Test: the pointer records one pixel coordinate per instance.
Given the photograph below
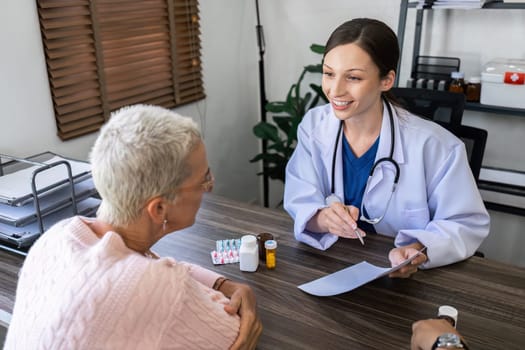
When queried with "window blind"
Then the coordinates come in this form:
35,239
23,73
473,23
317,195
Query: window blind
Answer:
105,54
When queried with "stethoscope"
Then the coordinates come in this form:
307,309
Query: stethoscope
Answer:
333,197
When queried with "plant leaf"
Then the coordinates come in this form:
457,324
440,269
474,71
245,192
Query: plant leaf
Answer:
276,172
269,159
304,101
314,68
317,48
319,90
275,107
257,158
266,131
284,123
279,147
319,94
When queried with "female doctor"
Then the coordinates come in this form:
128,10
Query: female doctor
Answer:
364,164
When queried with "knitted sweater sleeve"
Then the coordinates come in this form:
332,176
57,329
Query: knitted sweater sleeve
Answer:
198,317
204,276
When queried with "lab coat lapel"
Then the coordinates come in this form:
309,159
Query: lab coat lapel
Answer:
383,150
325,137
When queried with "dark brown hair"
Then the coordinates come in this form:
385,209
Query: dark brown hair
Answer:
375,38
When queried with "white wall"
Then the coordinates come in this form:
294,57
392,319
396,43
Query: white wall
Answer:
27,124
230,58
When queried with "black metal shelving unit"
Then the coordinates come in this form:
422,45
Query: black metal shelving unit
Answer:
515,190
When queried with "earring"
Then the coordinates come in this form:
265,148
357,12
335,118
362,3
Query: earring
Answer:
164,225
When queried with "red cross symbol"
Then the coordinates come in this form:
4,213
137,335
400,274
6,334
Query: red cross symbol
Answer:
515,78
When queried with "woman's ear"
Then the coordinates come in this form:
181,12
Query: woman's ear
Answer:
157,209
388,81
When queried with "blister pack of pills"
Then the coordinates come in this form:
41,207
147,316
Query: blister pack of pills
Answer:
226,251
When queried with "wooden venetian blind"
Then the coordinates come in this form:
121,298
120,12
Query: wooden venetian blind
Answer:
105,54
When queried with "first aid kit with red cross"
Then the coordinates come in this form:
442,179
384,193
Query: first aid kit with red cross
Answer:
503,83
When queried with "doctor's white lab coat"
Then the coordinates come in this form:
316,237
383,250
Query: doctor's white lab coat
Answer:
436,201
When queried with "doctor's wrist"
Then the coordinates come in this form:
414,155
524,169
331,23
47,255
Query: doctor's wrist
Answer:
415,245
315,223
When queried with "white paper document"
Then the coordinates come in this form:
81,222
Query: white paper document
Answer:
349,278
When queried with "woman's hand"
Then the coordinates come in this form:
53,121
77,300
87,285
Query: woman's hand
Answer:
243,303
338,219
400,254
425,333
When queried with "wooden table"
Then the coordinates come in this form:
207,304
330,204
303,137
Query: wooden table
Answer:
490,296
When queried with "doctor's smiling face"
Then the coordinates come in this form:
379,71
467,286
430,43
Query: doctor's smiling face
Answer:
351,81
359,66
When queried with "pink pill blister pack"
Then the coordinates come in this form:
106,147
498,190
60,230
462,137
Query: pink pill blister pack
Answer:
226,251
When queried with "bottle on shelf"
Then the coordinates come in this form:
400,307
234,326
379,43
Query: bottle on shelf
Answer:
473,90
458,82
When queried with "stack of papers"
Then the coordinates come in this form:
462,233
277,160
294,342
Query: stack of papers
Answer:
25,214
453,4
24,236
461,4
424,4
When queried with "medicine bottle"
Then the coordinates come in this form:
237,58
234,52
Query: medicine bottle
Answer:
473,90
261,238
271,247
448,313
248,254
458,83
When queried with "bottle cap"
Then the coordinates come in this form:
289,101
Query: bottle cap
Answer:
457,75
249,240
448,311
270,244
474,80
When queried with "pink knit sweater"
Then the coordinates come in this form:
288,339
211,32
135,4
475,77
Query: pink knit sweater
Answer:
77,291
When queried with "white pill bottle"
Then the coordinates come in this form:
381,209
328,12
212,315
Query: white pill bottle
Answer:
248,254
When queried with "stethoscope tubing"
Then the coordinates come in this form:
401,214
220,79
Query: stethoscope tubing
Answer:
389,159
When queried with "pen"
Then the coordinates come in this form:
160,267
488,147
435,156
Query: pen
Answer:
356,230
359,236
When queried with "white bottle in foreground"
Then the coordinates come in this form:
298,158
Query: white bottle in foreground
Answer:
449,313
248,254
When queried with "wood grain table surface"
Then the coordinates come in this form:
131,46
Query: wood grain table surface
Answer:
490,296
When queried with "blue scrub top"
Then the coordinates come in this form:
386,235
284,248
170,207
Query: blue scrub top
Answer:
355,174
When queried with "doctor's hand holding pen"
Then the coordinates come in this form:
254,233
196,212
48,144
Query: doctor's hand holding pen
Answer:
337,219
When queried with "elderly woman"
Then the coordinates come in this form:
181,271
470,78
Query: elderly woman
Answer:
95,283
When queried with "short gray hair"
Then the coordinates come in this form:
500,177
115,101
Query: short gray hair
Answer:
141,153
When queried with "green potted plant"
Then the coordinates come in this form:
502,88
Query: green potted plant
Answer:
281,132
